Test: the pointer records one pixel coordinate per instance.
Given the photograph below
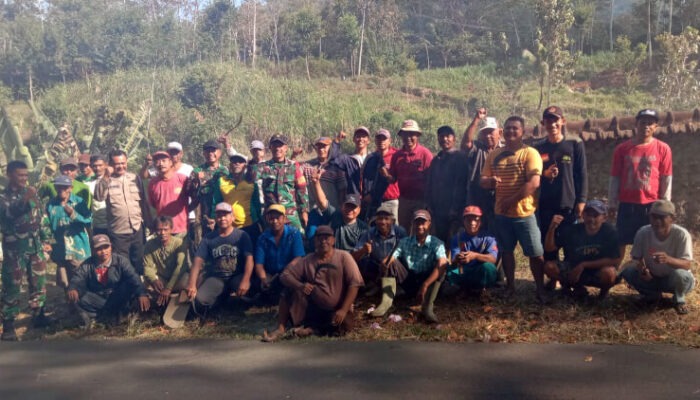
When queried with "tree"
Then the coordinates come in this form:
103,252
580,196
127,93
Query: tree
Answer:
303,31
554,19
679,84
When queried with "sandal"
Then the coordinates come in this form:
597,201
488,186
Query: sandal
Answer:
681,308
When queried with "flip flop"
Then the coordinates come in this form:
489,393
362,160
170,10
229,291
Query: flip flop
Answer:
681,308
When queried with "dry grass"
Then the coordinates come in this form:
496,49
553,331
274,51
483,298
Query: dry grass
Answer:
463,319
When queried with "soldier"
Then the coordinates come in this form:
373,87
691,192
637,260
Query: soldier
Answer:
25,234
200,192
283,183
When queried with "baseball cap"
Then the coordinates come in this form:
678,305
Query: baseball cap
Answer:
662,207
84,158
257,145
353,199
175,146
383,132
324,230
100,241
62,180
445,130
553,111
597,206
421,214
472,210
211,144
69,161
161,154
238,156
488,123
410,125
223,207
278,138
361,129
384,209
648,112
276,208
325,140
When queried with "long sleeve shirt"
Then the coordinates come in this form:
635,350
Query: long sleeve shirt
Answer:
91,276
166,263
69,231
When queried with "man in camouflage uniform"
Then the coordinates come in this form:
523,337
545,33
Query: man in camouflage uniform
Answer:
25,233
201,193
283,183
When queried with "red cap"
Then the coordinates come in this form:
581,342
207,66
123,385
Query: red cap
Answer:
472,210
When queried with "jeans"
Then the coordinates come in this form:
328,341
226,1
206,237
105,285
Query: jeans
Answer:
680,282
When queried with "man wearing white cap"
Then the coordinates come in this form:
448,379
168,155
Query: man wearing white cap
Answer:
489,138
257,152
175,151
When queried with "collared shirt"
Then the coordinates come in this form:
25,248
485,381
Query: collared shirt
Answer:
284,183
204,192
166,263
124,196
382,247
446,185
275,258
333,181
346,235
409,168
374,183
69,231
417,257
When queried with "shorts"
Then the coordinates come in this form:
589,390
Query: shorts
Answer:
589,277
524,230
631,217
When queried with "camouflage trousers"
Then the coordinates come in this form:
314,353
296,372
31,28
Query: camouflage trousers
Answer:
15,264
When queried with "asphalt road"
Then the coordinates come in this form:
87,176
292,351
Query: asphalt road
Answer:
219,369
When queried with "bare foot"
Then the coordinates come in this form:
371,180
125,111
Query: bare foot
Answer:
302,331
273,336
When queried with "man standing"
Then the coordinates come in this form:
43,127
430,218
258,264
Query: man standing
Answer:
227,255
446,186
167,194
641,173
591,252
409,167
564,183
662,257
376,189
100,224
283,183
69,168
25,236
69,218
333,178
514,172
257,152
489,138
175,151
322,288
200,192
126,209
105,284
86,175
165,261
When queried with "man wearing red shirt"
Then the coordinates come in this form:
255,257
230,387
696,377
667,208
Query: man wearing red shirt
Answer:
409,167
167,194
641,174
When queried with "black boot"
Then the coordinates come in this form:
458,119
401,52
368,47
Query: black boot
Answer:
40,320
8,331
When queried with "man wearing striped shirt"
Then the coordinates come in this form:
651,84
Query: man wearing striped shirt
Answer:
514,172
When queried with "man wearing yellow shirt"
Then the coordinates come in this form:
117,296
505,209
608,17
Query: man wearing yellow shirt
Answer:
514,172
237,187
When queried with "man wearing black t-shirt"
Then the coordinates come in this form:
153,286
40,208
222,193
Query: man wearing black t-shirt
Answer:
564,183
591,252
227,257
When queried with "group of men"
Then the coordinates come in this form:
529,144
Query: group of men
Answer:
307,236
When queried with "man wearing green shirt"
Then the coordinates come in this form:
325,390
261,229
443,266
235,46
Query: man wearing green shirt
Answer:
165,262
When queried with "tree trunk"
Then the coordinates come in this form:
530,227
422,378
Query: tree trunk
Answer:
650,53
308,73
612,7
254,44
362,39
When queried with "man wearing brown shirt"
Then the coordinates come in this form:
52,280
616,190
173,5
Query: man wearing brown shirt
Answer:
126,209
321,289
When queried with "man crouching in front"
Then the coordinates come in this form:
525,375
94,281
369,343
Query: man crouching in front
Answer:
321,289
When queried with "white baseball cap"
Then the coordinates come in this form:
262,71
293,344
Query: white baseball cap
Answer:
488,123
174,146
